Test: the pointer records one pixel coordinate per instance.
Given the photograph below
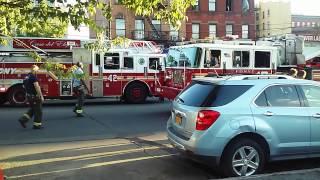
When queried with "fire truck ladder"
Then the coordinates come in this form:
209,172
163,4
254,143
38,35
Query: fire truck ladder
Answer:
145,47
154,29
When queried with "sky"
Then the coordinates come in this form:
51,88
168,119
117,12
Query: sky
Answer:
304,7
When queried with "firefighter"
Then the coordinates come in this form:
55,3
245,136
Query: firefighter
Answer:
79,87
35,99
293,72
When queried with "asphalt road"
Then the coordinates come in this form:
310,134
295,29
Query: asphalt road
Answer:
113,141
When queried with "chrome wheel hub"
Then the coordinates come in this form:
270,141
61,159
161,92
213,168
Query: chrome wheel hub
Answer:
245,161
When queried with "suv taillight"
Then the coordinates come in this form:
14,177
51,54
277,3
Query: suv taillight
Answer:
206,118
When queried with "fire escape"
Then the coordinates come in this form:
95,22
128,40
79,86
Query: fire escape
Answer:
155,35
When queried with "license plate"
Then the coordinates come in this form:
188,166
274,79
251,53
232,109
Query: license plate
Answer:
178,120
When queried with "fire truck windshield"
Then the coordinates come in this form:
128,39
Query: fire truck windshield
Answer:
184,57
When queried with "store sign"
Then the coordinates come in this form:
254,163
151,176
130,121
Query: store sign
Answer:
312,38
45,43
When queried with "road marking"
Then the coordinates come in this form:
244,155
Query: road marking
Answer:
92,166
15,164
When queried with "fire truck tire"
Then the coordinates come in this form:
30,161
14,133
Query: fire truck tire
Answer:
17,96
3,99
136,93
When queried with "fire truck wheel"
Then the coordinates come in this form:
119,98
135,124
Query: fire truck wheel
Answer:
17,96
3,99
136,93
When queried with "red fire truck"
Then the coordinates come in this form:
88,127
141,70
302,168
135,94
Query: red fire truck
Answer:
132,72
185,62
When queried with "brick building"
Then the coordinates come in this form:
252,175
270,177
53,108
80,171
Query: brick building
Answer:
125,23
221,18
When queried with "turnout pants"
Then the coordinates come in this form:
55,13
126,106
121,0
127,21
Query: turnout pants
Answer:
79,91
35,111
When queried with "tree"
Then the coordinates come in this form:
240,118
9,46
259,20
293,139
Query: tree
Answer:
17,16
52,28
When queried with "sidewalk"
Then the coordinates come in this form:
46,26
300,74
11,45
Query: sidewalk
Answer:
308,174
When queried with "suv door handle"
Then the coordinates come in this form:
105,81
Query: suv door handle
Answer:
268,113
316,115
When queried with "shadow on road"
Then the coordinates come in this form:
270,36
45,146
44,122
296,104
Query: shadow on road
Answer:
134,159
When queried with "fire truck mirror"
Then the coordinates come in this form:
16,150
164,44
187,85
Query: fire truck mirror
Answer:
98,60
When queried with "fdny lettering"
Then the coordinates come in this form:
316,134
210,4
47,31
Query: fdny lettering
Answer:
8,70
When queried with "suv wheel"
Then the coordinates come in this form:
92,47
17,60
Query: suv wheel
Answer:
243,158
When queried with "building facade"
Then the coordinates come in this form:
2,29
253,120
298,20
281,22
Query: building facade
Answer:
309,28
124,23
306,25
220,19
274,18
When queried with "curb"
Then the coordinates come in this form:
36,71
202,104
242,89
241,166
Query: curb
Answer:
304,174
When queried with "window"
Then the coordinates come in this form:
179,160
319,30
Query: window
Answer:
118,1
157,25
229,30
228,5
195,31
245,6
312,94
293,24
154,63
261,100
189,57
303,24
262,59
298,24
212,5
308,24
196,6
120,27
262,14
211,95
241,59
263,26
282,96
139,29
268,12
174,34
245,31
111,61
212,30
213,59
128,62
313,24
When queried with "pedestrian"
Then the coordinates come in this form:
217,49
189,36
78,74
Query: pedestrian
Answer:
79,87
35,99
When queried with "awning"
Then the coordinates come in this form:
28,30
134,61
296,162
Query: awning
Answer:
311,52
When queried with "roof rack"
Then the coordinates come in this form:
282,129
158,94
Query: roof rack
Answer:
255,77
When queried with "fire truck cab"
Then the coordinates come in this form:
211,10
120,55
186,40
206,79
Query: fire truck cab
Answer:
185,62
131,73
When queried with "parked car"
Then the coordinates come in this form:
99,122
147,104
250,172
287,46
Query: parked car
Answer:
238,124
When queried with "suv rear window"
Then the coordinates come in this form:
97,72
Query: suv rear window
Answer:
205,94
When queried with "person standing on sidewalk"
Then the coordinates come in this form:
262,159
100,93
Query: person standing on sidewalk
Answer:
79,87
35,99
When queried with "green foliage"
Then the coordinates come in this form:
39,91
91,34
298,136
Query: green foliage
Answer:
51,28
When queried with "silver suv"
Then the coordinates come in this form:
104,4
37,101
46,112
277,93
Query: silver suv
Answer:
239,123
